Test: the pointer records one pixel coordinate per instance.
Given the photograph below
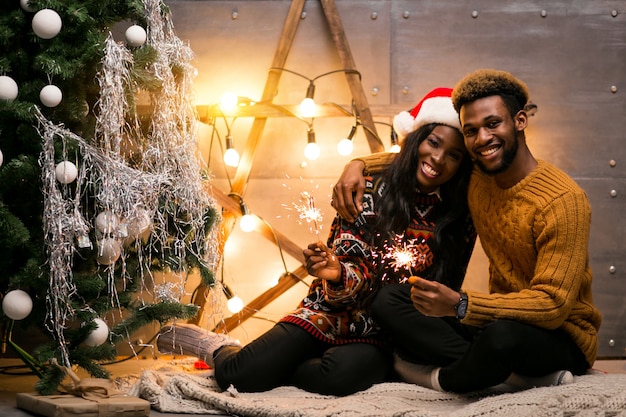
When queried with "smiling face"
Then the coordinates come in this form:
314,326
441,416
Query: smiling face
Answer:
490,134
440,157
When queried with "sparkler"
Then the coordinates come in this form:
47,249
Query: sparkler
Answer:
308,212
404,254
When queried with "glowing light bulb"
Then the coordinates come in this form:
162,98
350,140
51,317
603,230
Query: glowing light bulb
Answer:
228,103
247,223
235,304
231,157
395,148
345,147
308,107
312,151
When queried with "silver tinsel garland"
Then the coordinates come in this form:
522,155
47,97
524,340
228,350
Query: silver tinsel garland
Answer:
169,171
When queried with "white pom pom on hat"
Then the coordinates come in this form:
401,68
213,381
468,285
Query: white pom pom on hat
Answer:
435,107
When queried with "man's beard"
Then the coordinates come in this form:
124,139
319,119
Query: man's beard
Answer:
507,159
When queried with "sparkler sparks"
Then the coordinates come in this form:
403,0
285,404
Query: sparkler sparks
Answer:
308,212
404,254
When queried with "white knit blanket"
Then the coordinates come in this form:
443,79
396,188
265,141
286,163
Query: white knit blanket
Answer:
597,395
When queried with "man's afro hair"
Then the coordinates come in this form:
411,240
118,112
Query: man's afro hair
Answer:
488,82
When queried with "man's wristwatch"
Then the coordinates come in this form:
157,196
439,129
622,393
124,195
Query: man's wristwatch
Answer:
461,307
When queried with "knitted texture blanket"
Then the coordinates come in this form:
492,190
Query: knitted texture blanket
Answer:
180,392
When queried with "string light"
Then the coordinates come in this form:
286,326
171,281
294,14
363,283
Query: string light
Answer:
231,156
395,146
247,223
308,107
234,303
228,103
312,149
345,146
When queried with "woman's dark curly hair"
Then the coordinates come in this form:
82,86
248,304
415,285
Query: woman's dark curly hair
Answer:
395,209
489,82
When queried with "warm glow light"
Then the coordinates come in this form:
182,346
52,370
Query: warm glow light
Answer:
307,107
395,148
228,103
345,147
312,151
247,223
235,304
231,157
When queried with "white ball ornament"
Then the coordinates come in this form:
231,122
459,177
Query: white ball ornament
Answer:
8,88
46,23
25,4
107,222
99,335
139,223
135,35
109,251
17,304
66,172
50,96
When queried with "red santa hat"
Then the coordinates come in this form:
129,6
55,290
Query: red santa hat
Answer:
435,107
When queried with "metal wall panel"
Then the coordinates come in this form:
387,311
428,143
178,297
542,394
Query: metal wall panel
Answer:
572,54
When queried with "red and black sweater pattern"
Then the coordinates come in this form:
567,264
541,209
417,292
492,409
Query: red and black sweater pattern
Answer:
337,313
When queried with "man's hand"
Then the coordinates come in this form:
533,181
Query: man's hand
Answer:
321,262
432,298
348,191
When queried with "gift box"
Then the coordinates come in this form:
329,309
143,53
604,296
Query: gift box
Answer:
67,405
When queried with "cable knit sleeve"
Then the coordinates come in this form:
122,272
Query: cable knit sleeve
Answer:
547,293
376,162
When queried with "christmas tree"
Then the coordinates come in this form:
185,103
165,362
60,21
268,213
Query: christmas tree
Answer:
95,195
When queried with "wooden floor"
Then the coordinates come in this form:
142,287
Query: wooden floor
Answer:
14,378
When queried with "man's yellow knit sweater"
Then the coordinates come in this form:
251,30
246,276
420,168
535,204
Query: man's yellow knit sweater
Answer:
535,235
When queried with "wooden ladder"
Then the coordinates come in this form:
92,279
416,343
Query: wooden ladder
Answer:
231,205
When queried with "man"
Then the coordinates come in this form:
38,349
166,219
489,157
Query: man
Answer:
537,325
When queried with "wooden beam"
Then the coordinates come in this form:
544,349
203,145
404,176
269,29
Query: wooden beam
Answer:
287,281
206,113
232,205
354,81
242,174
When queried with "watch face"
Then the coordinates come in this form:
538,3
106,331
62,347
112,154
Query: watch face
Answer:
461,307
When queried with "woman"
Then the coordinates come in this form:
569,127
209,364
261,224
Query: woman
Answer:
331,344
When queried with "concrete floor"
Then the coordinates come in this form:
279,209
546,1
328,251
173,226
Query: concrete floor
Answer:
14,378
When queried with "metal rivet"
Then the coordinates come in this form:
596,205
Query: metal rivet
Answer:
544,13
613,89
234,15
375,91
614,13
612,269
611,343
475,14
612,162
374,16
613,193
405,90
303,15
406,14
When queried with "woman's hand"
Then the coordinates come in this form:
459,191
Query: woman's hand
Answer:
432,298
348,191
321,262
